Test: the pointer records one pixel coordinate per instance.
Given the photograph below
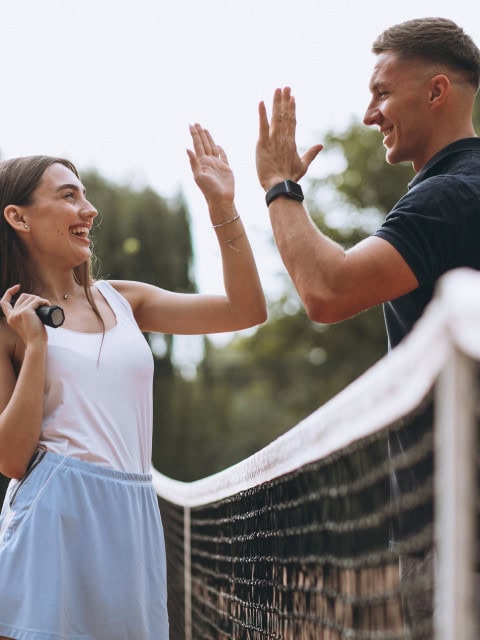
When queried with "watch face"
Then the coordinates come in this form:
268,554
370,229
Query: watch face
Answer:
295,190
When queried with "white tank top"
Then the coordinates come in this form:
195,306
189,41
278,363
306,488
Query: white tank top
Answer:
98,396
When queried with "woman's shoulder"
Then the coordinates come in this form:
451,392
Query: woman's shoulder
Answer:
137,293
122,286
128,290
149,304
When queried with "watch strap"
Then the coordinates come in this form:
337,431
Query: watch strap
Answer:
286,188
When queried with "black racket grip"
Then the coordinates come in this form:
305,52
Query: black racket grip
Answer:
51,316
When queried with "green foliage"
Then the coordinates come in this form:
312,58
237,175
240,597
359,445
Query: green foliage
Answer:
256,388
141,236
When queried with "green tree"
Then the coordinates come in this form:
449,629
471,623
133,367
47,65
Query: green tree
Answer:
140,235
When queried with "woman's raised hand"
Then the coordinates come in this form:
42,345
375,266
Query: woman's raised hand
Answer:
210,167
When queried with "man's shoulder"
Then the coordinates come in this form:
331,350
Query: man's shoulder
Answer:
443,189
446,197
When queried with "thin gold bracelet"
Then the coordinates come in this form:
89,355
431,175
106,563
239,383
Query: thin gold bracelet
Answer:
230,240
221,224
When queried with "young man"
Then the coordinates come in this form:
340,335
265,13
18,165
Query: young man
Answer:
423,88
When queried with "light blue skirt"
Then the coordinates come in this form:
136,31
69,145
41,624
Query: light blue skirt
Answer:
82,554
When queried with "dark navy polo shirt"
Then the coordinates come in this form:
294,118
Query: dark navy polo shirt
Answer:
435,226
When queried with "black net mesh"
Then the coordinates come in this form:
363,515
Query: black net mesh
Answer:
173,524
315,553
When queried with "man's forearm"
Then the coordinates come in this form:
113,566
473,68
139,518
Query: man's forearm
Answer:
313,261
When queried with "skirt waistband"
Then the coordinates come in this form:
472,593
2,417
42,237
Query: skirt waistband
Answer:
90,467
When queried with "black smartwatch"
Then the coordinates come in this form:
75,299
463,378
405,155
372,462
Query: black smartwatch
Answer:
287,188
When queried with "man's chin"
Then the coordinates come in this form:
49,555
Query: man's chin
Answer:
391,158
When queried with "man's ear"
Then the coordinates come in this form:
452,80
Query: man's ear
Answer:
16,218
439,89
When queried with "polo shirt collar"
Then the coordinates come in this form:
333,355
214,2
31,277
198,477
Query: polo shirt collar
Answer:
465,144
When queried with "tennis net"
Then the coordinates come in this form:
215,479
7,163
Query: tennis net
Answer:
356,521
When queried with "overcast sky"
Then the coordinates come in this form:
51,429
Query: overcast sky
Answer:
113,85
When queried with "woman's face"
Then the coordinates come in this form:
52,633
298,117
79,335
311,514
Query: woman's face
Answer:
59,218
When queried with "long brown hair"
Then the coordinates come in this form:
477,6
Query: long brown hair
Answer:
19,177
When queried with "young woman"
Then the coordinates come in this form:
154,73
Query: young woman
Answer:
81,542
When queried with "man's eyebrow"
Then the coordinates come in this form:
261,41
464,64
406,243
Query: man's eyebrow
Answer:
75,187
382,83
376,87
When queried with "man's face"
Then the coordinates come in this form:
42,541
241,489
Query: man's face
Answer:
400,108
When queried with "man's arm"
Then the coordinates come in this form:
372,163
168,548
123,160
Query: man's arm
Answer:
333,284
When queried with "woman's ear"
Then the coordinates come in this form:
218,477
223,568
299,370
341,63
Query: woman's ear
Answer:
15,218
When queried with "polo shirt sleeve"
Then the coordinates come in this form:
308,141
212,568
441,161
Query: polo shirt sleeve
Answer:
427,226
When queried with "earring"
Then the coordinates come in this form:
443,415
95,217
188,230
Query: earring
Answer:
25,226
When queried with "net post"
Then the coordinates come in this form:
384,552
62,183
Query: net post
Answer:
454,498
187,563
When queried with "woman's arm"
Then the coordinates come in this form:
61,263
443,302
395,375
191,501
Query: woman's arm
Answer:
243,304
21,396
